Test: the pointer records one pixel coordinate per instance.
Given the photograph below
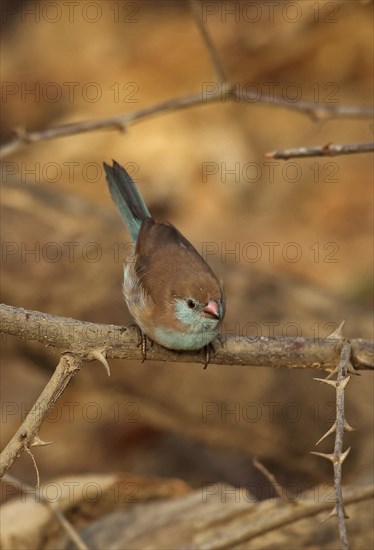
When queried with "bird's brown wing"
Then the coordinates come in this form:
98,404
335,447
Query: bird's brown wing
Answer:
168,265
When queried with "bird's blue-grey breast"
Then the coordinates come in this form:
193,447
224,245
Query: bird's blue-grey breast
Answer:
170,290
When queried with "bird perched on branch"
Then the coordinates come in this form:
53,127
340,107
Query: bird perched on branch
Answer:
173,295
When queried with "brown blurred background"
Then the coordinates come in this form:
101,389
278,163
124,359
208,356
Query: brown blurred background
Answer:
175,420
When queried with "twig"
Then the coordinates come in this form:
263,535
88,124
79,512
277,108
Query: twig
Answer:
317,111
339,427
270,477
196,8
329,150
35,466
25,435
65,524
225,91
82,339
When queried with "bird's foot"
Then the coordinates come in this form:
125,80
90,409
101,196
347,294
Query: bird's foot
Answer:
208,349
142,342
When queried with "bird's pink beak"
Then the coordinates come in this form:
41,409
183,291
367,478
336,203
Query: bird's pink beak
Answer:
211,310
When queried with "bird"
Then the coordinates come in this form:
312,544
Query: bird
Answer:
173,295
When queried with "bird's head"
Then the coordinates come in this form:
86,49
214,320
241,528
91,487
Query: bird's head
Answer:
201,308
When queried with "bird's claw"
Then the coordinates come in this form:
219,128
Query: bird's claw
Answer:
208,349
142,343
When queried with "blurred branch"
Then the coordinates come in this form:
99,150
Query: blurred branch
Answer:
26,435
266,516
329,150
196,8
274,482
53,506
88,340
221,93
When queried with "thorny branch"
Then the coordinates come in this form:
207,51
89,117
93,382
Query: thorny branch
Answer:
27,435
339,427
91,341
81,341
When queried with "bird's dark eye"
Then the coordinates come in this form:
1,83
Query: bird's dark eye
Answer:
191,304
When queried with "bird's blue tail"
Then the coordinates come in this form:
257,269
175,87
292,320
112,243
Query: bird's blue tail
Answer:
126,197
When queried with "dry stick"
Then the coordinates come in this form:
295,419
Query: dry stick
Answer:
65,524
329,150
89,341
317,111
25,435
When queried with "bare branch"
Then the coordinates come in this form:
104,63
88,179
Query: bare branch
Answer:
196,8
82,338
25,435
65,524
329,150
224,93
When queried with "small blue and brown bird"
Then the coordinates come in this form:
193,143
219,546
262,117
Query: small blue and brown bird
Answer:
173,295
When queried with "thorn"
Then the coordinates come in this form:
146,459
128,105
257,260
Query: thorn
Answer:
343,382
337,334
335,371
37,442
326,381
332,514
330,431
348,428
352,370
342,457
330,457
335,459
100,355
